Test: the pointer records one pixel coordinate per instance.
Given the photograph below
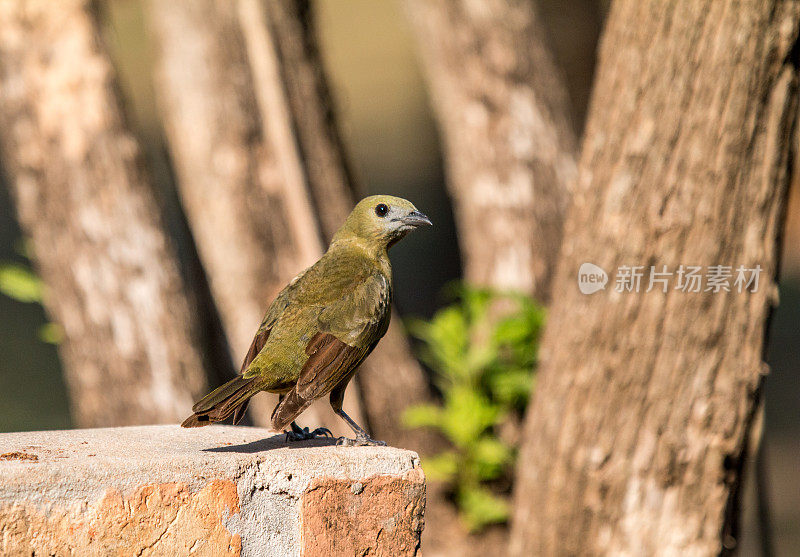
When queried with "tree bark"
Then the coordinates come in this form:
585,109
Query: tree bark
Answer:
267,143
637,436
113,282
509,142
237,173
330,181
229,173
391,379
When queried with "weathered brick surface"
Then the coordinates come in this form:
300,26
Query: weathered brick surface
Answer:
379,515
160,490
160,519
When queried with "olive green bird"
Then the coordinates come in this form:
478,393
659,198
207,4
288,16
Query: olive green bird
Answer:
322,325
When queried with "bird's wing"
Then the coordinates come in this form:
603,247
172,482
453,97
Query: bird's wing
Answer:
348,330
275,310
330,361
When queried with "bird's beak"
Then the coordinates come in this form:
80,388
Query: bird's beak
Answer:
416,219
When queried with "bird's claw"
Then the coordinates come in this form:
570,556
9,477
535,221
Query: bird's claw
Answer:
303,434
359,441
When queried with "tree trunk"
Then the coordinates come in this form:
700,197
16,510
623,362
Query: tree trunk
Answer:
82,195
237,172
330,180
509,142
636,439
391,379
222,70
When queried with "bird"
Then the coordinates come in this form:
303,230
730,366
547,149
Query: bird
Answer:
322,325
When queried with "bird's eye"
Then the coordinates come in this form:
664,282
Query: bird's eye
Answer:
381,210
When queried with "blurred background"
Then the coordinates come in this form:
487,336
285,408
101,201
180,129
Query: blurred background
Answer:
390,135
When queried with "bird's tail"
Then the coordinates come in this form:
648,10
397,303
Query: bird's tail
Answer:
231,398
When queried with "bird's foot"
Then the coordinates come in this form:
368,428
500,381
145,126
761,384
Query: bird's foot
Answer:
298,433
359,441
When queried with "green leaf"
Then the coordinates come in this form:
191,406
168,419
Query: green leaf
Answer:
513,330
480,507
467,415
445,337
422,415
512,387
20,283
476,303
491,456
479,356
448,337
417,328
442,467
51,333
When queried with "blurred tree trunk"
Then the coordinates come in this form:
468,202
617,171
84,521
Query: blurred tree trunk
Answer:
256,150
391,379
637,437
509,142
238,174
130,351
330,180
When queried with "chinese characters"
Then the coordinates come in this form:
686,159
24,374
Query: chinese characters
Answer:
687,278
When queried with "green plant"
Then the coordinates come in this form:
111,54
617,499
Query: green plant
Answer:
20,283
483,351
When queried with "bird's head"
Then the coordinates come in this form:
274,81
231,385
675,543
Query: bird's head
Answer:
381,220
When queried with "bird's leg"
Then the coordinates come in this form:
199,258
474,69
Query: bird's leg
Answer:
362,438
298,433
